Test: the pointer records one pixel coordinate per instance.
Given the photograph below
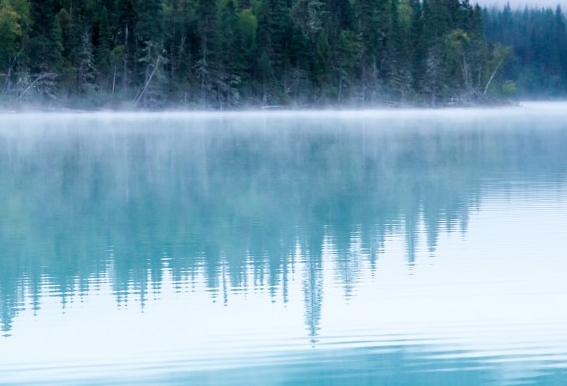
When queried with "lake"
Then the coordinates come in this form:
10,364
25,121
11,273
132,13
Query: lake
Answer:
396,247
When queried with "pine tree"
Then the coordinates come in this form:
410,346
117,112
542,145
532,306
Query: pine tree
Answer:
339,16
308,16
125,50
86,64
273,39
15,25
149,32
104,44
181,44
231,55
247,32
11,32
560,40
207,66
148,25
369,36
396,71
348,52
46,40
384,29
418,46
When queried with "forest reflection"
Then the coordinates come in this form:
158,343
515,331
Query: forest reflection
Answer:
240,205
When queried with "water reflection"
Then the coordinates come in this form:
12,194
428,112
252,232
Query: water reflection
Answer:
240,205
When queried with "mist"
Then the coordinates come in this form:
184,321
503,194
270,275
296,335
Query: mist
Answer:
523,3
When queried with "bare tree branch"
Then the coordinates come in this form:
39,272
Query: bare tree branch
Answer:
40,77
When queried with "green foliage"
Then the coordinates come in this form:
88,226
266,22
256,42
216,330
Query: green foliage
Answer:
538,37
149,20
248,24
348,52
104,43
229,53
10,33
509,88
14,29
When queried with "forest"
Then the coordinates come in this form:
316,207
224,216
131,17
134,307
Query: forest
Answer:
227,54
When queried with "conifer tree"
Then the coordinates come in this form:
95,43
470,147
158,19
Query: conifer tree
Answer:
125,53
274,35
10,33
366,26
103,46
231,55
418,46
148,25
86,64
207,65
149,32
339,16
347,55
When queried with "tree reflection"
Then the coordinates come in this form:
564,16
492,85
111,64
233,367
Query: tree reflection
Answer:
240,207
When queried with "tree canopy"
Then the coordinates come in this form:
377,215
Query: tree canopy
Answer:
238,53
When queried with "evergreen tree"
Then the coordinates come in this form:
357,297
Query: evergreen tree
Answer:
86,64
339,17
367,21
560,41
308,16
104,44
537,37
149,32
273,37
231,55
348,52
149,20
46,37
181,45
418,46
207,66
226,53
10,33
125,52
14,28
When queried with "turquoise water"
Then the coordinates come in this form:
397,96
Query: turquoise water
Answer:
335,248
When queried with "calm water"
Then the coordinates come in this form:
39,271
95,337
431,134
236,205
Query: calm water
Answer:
367,248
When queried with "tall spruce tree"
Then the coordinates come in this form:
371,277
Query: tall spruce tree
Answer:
366,15
149,32
124,54
231,56
14,27
274,35
103,46
208,67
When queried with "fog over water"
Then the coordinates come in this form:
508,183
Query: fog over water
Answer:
285,248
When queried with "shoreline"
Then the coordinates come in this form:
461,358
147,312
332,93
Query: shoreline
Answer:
33,108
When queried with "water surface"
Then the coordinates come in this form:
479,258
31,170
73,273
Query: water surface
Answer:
336,248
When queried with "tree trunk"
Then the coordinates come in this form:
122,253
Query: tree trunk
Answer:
492,77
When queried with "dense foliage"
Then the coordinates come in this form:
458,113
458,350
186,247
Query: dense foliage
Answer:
230,53
539,39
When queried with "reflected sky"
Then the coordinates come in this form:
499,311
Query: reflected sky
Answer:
369,246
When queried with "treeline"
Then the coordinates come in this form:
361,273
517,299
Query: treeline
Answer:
539,39
233,53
